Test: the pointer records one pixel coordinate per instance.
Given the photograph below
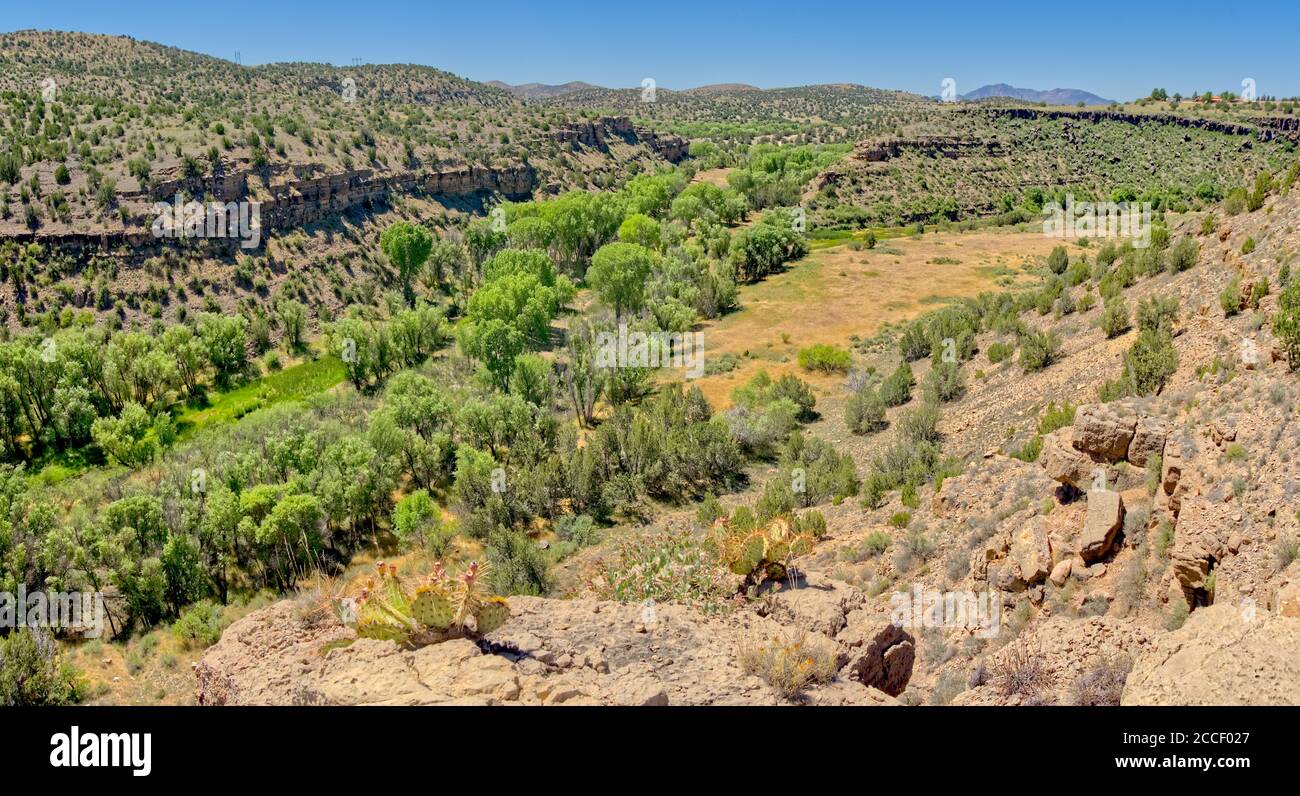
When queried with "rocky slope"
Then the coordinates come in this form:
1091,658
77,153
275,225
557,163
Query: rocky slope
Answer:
1146,556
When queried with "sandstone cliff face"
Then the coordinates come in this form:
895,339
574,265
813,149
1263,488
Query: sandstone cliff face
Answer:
293,195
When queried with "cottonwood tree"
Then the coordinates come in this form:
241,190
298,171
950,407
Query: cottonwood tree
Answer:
407,247
618,274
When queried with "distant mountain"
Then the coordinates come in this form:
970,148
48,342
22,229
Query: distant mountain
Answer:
542,90
1057,96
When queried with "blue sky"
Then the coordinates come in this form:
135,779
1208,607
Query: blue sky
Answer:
1119,50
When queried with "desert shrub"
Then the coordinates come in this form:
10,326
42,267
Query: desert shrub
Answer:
32,673
919,424
1154,473
900,519
1001,351
669,566
945,382
1156,313
825,358
760,431
864,412
710,510
518,565
1056,417
1248,246
761,390
1151,361
951,332
1022,673
917,545
777,500
579,529
1286,322
1102,684
1038,350
1230,298
1031,450
896,389
417,521
909,497
1184,253
812,523
1115,317
1058,260
913,343
1258,291
1078,273
1288,550
199,625
789,664
827,472
876,543
1235,202
949,686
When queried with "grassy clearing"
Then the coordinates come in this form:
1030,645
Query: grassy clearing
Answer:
835,294
291,384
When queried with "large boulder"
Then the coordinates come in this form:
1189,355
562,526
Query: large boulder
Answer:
1103,431
1032,551
1200,542
1222,655
1105,518
1063,463
881,654
1148,440
812,602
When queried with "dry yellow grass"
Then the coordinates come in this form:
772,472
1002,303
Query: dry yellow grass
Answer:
789,664
836,293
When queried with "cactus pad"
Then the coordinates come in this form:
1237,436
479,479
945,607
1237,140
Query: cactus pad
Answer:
491,614
432,608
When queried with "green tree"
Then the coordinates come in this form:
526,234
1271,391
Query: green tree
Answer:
416,521
125,438
407,247
1286,323
618,274
641,230
227,345
293,320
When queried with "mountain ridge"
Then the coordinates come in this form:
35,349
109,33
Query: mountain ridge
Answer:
1056,96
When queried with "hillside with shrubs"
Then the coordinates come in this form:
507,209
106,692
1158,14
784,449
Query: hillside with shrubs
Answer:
450,416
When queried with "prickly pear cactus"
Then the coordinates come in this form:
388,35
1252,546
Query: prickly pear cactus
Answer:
432,607
442,607
762,553
492,613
